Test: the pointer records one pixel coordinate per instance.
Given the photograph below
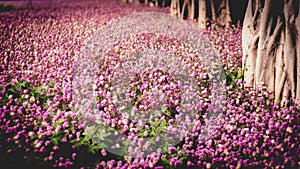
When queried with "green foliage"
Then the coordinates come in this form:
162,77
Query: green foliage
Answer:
18,92
232,77
175,154
95,134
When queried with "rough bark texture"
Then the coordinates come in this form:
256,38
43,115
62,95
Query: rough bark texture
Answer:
271,48
224,17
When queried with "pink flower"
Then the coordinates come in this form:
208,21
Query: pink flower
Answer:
103,152
74,156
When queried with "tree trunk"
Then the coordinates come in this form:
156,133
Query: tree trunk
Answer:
29,4
191,9
188,5
213,11
224,17
156,2
163,3
131,1
218,11
184,7
271,48
202,18
175,8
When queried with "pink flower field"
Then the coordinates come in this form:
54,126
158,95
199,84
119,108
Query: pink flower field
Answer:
156,101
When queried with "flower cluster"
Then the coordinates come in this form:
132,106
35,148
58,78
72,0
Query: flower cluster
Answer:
228,43
252,133
40,50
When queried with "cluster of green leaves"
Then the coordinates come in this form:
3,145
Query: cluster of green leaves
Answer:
156,127
138,94
85,146
100,136
233,77
13,92
182,156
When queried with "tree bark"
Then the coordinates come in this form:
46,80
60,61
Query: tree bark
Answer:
191,9
188,5
202,18
163,3
271,48
224,17
184,6
156,2
175,8
213,11
218,11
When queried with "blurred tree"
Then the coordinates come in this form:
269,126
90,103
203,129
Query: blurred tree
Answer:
222,12
271,48
131,1
160,3
216,11
29,4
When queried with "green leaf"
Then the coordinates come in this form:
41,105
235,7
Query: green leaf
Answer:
92,151
97,147
11,90
126,143
54,141
240,74
181,159
166,161
24,83
104,146
152,141
38,90
65,107
168,113
77,144
51,84
164,109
